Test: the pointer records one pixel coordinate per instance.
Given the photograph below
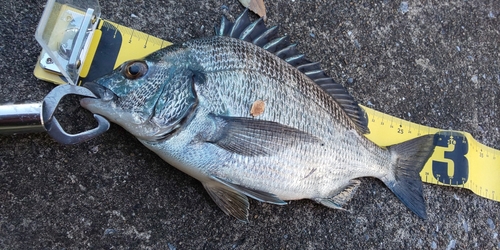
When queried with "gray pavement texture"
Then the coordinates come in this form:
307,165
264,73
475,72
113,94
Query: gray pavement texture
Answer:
433,62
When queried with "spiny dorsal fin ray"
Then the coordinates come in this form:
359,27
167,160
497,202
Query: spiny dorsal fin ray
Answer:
225,26
265,36
253,31
309,66
257,33
277,44
240,24
287,52
297,60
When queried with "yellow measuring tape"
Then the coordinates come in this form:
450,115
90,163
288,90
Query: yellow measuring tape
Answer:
112,44
458,160
115,44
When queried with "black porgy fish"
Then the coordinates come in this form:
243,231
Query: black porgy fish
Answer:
247,115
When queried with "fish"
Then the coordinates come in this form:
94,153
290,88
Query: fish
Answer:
194,105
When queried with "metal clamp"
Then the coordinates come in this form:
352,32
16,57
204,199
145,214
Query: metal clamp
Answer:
36,117
53,127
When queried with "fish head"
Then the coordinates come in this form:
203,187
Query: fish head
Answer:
149,98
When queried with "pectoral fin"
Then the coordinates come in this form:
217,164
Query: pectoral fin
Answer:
253,137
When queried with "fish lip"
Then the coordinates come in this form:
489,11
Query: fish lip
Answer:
95,88
100,91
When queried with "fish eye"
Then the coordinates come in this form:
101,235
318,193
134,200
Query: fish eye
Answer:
135,69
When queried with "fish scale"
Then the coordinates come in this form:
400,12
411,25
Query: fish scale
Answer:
307,143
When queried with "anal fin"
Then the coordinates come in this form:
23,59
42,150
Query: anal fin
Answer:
339,200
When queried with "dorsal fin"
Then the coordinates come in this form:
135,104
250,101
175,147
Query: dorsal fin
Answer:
257,33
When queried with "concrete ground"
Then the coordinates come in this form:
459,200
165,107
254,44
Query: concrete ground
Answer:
436,63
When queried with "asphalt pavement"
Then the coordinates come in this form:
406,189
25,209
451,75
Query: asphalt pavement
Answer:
432,62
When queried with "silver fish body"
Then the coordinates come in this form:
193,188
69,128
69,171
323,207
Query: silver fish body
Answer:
191,105
297,168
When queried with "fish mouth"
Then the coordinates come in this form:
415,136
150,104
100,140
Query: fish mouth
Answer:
101,103
100,92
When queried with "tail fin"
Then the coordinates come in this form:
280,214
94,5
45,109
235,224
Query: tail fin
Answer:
405,182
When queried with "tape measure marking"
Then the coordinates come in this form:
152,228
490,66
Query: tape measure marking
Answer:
116,45
453,168
138,44
458,159
104,56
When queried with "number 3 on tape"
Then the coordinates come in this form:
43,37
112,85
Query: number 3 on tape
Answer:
453,167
